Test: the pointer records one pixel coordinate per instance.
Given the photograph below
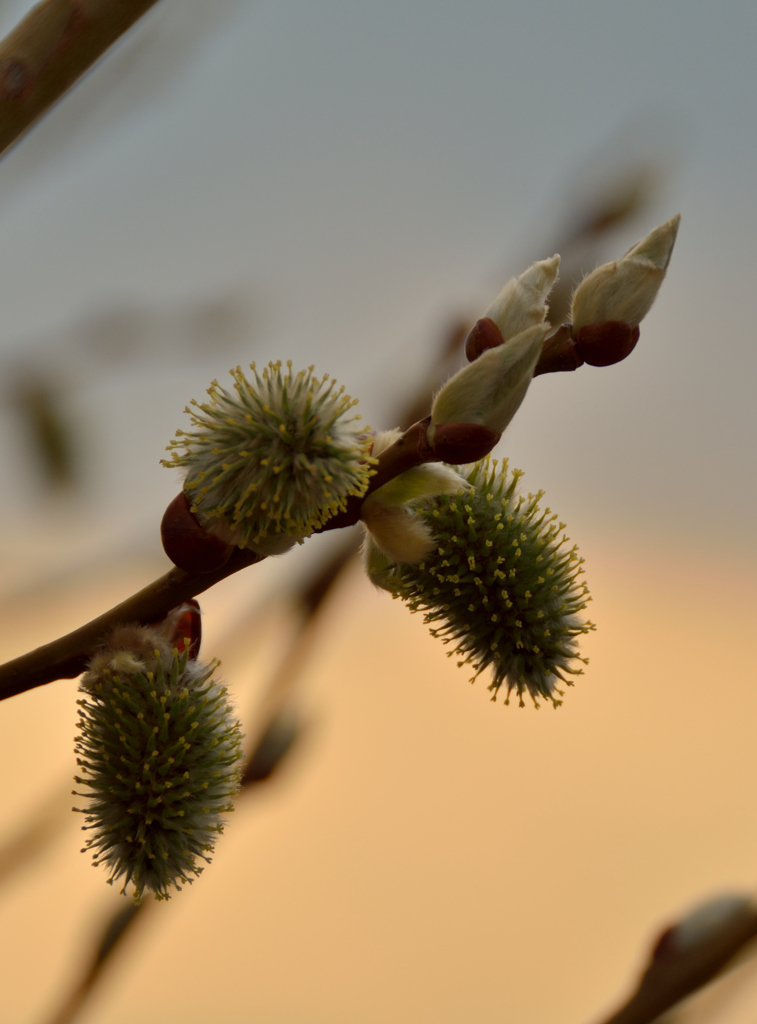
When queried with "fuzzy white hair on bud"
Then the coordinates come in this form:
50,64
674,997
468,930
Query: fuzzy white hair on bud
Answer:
522,303
390,519
490,390
384,439
398,532
624,290
420,482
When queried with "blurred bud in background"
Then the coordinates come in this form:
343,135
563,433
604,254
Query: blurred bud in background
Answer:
39,401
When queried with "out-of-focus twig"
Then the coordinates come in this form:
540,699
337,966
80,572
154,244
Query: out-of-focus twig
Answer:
111,938
616,202
714,1003
36,834
50,49
278,726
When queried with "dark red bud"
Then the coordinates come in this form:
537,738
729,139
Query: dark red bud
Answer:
484,334
606,343
458,443
187,544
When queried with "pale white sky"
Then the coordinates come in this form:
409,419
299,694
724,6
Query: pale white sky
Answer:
361,173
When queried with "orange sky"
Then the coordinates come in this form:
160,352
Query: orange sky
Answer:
428,855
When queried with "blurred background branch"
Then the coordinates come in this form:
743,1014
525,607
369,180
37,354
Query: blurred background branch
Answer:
54,45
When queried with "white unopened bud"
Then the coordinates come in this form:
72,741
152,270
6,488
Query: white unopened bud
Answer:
623,291
379,568
522,303
397,532
393,526
489,390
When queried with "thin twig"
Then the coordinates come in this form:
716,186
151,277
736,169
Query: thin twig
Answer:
50,49
37,833
116,928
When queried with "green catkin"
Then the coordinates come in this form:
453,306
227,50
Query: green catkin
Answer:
502,585
278,455
160,754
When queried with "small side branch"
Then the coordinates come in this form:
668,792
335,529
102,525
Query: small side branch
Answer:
67,657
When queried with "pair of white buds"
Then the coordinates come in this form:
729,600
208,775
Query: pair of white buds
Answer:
490,390
504,348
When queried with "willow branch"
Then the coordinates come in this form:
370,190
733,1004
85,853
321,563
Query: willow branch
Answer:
67,657
47,52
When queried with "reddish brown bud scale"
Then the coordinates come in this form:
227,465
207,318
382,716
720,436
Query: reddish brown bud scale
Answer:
559,353
459,443
484,334
603,344
187,544
187,626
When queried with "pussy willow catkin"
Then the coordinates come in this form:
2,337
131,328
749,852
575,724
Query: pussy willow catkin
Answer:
160,754
501,585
